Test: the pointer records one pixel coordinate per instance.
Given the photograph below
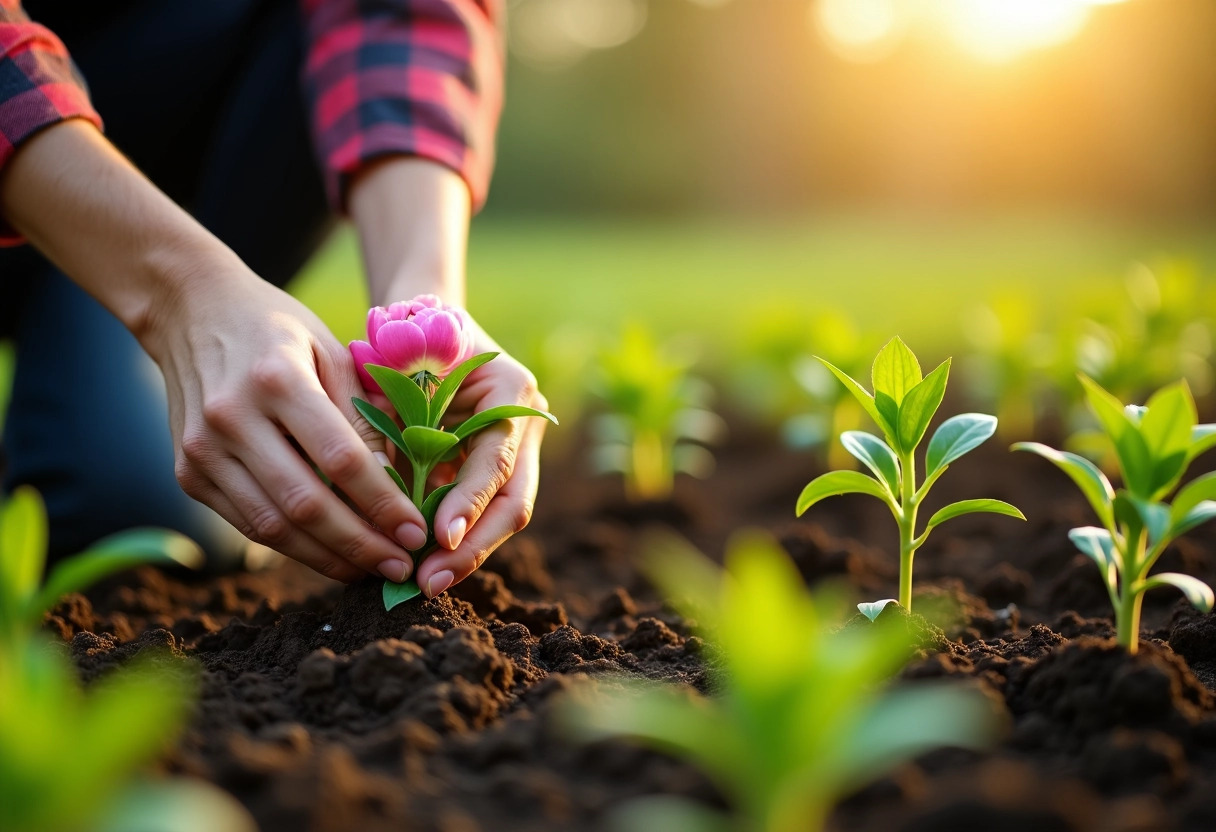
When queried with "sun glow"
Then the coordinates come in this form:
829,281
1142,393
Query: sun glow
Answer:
995,31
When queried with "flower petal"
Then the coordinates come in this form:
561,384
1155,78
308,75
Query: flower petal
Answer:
402,343
443,342
364,353
377,317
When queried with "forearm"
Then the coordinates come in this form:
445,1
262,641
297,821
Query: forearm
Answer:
89,211
413,220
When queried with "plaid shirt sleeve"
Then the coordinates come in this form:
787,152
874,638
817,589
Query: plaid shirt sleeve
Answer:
414,77
38,86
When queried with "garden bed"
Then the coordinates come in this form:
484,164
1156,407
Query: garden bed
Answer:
320,711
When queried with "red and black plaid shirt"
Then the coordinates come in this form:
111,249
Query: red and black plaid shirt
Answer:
384,77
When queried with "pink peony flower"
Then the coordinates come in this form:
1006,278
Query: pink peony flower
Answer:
412,336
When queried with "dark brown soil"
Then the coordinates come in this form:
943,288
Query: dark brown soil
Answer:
319,711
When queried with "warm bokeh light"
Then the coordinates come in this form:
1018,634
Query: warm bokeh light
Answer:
556,33
1000,30
995,31
860,30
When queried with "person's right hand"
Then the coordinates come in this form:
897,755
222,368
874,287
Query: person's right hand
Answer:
248,368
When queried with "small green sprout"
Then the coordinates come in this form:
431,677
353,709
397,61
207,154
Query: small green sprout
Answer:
1153,446
420,402
804,712
657,422
902,405
24,598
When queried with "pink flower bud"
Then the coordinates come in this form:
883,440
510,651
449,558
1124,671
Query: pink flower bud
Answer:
412,336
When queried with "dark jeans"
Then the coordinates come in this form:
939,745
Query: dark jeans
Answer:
204,97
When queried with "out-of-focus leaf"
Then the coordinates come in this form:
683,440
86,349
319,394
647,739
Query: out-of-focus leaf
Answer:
1092,482
1203,439
113,554
839,482
407,397
23,534
1147,514
957,436
669,814
1130,448
919,405
875,455
175,806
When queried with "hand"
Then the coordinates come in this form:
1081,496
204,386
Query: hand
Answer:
496,485
248,368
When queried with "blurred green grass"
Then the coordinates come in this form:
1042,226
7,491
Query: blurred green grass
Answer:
703,277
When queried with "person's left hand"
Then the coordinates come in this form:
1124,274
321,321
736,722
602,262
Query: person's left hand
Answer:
496,485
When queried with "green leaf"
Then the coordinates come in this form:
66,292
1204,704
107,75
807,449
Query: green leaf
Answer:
394,594
873,609
972,507
113,554
1203,438
1166,428
862,396
1197,516
1097,545
1134,458
668,813
839,482
407,397
431,505
23,531
392,472
920,404
487,417
890,416
1092,482
381,421
956,436
895,371
875,455
448,387
1148,514
1195,590
426,446
1191,495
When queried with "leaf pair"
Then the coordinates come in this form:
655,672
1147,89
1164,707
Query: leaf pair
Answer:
903,401
23,538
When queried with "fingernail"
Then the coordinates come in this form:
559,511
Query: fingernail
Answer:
410,536
395,570
456,530
382,458
439,582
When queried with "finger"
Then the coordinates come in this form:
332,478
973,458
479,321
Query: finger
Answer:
262,523
508,512
489,467
327,435
307,504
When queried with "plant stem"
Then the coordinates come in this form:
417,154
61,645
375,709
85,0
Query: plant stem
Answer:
1129,619
907,529
418,495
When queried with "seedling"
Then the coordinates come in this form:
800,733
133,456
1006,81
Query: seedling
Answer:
426,339
902,405
25,598
658,421
1153,447
803,714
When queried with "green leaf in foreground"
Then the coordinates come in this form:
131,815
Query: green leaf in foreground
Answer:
919,405
381,421
394,594
447,388
1092,482
409,400
955,437
875,455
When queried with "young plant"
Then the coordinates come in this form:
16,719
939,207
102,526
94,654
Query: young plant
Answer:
803,714
25,598
417,356
657,422
1153,447
902,405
